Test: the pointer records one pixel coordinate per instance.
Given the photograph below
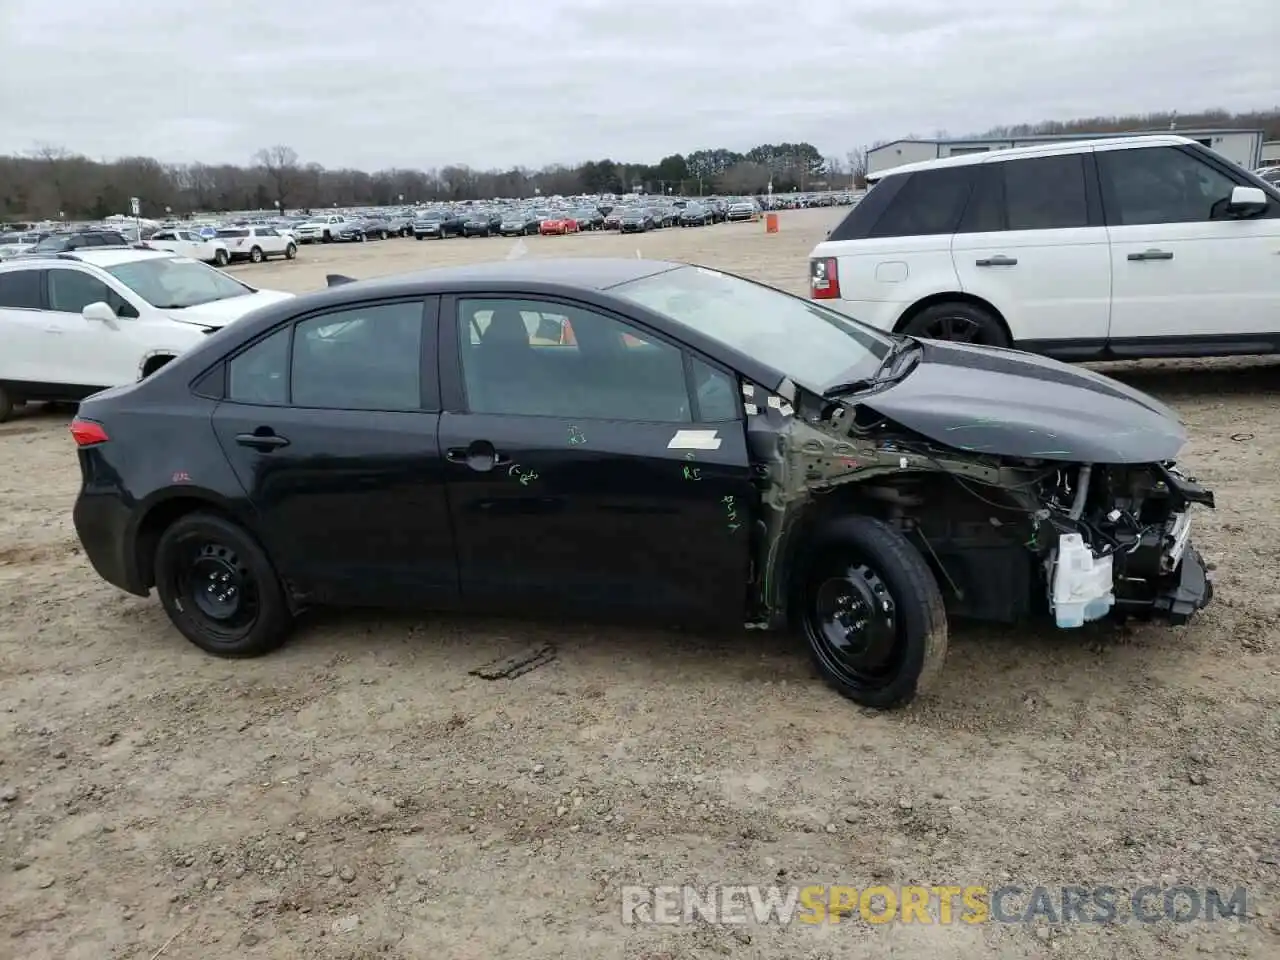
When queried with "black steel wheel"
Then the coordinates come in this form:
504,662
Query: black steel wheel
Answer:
958,322
219,588
870,610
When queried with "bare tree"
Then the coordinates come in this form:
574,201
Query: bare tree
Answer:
857,160
281,164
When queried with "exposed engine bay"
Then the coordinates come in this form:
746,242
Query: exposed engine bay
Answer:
1007,537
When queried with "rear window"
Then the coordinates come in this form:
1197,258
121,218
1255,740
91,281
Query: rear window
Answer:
930,202
1045,193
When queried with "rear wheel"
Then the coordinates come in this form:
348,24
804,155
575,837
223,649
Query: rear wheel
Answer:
219,588
958,322
871,612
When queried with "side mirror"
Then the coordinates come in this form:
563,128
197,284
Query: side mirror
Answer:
1246,202
99,312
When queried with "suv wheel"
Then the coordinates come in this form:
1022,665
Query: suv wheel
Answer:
221,258
290,251
959,323
219,588
255,255
870,609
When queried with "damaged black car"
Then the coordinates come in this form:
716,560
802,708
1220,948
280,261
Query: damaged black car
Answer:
640,440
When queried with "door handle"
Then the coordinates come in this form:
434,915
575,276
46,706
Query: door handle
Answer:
999,260
263,442
1152,255
479,455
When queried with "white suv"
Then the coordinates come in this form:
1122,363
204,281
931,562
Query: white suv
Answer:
75,323
1145,246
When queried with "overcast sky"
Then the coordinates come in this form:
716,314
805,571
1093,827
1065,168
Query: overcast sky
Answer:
423,83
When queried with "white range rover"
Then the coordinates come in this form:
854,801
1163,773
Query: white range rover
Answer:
1141,246
76,323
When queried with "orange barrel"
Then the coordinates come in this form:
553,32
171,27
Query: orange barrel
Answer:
770,223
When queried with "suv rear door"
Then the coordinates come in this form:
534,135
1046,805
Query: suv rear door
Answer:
1189,277
1033,245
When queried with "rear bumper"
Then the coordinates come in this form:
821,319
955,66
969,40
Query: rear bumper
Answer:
102,523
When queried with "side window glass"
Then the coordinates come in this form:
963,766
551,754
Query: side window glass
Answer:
20,289
70,291
1161,185
1045,193
717,393
360,358
533,358
261,373
930,202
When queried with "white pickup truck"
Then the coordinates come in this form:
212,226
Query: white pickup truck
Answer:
319,230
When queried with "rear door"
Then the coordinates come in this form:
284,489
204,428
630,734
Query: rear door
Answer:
581,471
330,424
1189,277
24,342
1032,243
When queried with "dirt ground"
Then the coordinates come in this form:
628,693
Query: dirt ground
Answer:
359,794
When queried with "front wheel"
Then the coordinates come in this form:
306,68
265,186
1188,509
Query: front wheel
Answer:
291,251
219,588
221,258
958,322
871,612
255,255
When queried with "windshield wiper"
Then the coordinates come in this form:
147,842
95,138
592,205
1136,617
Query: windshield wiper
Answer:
884,372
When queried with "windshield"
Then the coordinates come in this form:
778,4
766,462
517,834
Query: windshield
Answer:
171,283
56,242
811,344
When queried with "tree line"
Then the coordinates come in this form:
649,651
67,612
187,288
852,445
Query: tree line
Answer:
50,182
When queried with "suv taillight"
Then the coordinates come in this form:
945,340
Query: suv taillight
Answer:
87,433
824,278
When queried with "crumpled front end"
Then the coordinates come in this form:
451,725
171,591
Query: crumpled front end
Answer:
1007,537
1123,543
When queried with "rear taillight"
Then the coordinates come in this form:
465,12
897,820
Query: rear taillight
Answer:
87,433
824,278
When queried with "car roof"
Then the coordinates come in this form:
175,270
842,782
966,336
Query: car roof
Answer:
1053,148
594,273
101,257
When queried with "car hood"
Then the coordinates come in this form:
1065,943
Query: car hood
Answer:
222,312
990,400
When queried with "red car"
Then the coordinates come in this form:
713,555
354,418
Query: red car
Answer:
558,225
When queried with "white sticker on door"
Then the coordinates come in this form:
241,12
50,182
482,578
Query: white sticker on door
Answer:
695,440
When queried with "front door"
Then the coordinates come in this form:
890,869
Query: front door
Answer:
1032,243
96,353
580,473
331,428
1188,276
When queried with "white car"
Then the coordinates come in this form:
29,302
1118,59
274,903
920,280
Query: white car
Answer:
188,243
1121,248
13,244
257,244
76,323
320,230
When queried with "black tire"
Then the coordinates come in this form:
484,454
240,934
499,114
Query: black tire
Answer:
327,238
958,322
221,258
291,251
256,255
219,588
6,405
418,236
875,656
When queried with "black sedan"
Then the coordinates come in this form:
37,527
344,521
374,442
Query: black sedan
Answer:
637,439
694,215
